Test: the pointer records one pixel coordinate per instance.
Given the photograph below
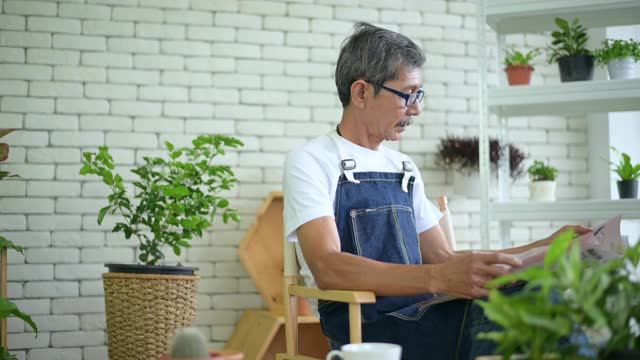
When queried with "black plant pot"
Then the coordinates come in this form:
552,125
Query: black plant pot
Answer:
576,67
150,269
628,189
623,355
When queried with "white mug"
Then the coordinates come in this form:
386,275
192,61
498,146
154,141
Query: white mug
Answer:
367,351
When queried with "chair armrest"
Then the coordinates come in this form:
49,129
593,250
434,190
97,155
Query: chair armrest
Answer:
345,296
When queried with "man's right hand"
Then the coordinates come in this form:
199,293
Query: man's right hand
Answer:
466,274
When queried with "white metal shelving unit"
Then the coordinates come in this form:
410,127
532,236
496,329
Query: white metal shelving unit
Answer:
522,16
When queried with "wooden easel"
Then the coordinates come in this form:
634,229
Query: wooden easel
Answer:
260,333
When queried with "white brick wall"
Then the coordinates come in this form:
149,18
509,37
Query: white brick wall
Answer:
131,74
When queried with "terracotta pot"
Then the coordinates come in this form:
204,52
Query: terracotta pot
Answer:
215,355
519,74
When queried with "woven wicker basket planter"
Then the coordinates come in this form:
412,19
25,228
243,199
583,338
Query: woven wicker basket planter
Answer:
145,310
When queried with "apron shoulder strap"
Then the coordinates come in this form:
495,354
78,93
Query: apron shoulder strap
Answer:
347,165
406,167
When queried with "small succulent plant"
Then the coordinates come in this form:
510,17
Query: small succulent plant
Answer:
189,343
4,153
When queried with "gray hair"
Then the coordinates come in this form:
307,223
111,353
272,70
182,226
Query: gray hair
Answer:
374,54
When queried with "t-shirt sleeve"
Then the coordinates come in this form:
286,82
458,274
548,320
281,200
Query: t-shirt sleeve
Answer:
427,215
306,192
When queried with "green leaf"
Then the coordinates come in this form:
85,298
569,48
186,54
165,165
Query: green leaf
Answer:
184,243
107,177
188,223
562,24
85,169
181,190
222,203
8,308
102,213
558,248
176,154
6,243
176,250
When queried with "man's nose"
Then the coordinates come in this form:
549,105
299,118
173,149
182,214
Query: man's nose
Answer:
415,109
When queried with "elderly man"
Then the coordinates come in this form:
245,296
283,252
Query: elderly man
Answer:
361,220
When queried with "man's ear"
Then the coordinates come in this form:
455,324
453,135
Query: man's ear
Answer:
359,90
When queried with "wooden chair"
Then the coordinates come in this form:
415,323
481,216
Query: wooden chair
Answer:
292,290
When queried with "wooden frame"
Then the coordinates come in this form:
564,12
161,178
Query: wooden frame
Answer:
3,293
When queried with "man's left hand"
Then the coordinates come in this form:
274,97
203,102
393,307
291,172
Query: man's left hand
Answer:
578,230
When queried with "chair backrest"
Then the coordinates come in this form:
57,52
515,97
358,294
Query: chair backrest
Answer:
445,222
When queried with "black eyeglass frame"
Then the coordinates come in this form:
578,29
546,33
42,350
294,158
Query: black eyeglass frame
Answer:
409,99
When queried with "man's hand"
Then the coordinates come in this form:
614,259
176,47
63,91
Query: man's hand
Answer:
466,274
579,230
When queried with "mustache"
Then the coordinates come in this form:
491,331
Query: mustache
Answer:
405,123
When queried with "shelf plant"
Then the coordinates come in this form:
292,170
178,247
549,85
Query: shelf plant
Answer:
622,58
7,307
543,185
462,155
569,308
176,198
518,66
628,172
568,48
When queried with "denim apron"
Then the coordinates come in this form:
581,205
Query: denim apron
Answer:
375,219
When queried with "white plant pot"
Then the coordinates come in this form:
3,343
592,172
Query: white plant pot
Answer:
468,184
624,68
542,191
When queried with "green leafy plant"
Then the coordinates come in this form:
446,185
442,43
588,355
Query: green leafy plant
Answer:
515,57
463,154
7,307
625,169
617,49
541,172
569,307
571,39
177,198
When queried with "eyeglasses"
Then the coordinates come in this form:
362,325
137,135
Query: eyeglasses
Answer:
409,99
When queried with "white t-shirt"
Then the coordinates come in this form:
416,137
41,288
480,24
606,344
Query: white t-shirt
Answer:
310,181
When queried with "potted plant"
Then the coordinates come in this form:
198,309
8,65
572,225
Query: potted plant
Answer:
176,199
621,58
462,155
543,185
569,308
518,67
7,307
568,49
629,175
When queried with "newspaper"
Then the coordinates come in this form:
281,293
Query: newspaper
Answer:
603,244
